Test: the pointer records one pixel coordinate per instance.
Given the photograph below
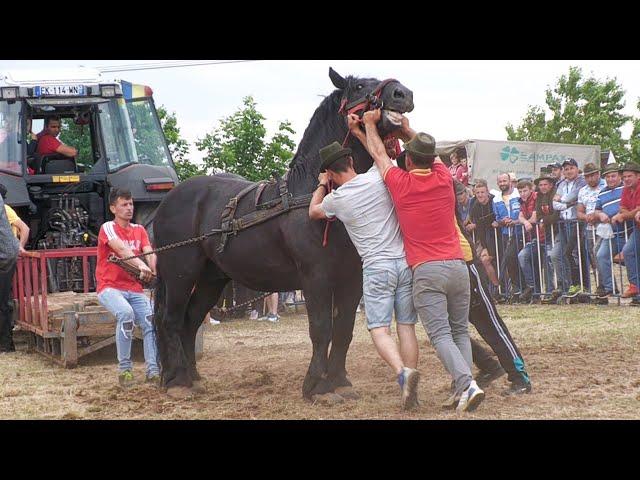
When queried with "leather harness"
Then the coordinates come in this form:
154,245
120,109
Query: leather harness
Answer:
266,211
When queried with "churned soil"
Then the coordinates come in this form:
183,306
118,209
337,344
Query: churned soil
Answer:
584,362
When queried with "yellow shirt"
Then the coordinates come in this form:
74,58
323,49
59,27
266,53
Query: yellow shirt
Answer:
464,244
12,216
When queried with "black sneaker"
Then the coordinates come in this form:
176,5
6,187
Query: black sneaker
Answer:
635,302
604,300
518,388
484,378
526,295
551,299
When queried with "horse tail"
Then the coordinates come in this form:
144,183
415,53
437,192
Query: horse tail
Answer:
160,319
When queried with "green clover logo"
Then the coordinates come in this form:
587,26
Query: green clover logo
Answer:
510,154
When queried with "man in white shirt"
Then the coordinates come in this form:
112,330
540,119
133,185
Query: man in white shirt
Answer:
364,206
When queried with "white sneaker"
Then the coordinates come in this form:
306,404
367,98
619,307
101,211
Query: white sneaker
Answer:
213,321
272,318
253,315
471,398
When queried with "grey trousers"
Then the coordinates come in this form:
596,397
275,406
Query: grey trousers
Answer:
441,296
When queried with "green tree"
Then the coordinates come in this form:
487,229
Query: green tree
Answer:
583,111
634,141
79,137
178,146
238,145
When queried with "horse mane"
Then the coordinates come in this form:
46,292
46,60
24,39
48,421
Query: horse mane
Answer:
325,126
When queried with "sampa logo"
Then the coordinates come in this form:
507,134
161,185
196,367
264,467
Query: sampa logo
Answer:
510,154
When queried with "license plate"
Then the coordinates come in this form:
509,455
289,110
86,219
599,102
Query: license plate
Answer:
65,178
59,90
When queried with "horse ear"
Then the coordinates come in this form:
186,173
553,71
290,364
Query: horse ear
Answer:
336,79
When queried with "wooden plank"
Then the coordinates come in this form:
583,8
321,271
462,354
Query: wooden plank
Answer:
70,342
86,318
37,330
100,330
97,346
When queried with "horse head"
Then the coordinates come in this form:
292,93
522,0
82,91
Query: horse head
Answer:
361,94
329,123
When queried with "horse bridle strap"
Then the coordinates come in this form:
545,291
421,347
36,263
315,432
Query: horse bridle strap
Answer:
370,100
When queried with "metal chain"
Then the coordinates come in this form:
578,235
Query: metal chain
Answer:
244,304
187,242
172,245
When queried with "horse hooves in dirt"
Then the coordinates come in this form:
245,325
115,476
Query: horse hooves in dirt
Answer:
348,393
199,386
180,392
327,399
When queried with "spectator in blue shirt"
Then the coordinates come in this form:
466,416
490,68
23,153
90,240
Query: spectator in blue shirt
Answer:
565,252
613,238
506,207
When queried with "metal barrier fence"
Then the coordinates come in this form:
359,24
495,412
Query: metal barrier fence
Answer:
565,259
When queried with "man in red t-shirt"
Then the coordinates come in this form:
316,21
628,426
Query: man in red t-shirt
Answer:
48,143
119,292
629,209
425,204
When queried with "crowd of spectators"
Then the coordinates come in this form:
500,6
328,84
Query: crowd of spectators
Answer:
568,233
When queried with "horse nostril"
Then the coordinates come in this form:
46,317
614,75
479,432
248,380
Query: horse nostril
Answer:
397,93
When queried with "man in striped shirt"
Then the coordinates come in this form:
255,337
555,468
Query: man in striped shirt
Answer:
613,239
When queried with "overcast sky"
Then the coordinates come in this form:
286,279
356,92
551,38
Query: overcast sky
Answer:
454,99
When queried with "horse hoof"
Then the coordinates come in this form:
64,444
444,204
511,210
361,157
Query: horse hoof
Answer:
198,387
328,399
180,392
348,392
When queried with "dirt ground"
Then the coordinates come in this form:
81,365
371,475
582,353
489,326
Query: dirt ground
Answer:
584,362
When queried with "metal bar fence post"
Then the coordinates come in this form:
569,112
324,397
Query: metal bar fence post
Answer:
543,284
613,275
579,256
618,238
495,235
553,245
593,236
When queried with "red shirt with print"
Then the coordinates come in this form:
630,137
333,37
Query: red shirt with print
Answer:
426,207
47,145
110,275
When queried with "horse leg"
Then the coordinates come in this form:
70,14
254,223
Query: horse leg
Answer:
205,296
173,297
318,302
345,303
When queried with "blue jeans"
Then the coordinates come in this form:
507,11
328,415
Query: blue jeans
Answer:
528,259
631,257
604,256
131,308
387,286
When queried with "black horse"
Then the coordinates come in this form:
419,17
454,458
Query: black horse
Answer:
282,254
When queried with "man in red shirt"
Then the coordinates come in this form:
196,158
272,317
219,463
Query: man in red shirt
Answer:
122,294
48,143
425,204
629,208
